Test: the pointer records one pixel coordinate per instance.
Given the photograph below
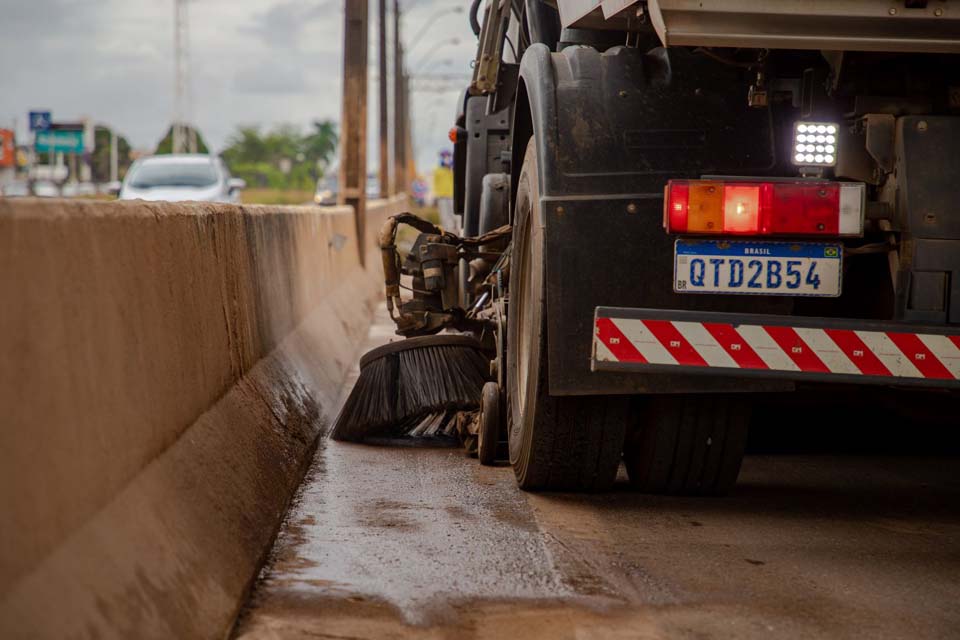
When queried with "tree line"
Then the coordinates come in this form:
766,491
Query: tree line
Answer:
284,157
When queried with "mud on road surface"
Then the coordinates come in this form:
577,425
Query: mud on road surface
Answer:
407,542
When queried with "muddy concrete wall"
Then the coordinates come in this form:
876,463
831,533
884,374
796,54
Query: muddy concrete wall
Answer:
164,373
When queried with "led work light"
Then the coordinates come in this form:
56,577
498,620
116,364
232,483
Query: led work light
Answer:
815,144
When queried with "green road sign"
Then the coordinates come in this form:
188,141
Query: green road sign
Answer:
62,140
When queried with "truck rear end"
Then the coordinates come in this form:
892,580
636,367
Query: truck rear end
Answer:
711,204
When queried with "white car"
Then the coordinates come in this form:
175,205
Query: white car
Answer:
14,189
174,178
75,189
326,193
46,189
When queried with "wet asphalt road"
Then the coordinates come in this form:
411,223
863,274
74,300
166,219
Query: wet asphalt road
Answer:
406,542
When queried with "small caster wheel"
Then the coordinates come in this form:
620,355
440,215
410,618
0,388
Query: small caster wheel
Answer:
488,433
470,446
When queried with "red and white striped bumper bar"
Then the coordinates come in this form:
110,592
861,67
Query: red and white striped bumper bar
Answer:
825,349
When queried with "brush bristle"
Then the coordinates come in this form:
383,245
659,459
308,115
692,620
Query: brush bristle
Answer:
408,385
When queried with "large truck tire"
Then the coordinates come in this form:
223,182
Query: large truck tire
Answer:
687,444
571,443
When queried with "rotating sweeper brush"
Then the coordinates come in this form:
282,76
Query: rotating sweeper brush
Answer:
414,387
430,383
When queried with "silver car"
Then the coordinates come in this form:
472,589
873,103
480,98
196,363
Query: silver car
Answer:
326,193
198,177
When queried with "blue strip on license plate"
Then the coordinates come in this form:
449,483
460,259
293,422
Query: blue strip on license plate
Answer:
757,268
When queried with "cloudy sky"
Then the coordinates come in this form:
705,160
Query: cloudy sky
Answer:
261,62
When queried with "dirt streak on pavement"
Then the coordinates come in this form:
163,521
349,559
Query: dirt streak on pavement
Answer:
407,542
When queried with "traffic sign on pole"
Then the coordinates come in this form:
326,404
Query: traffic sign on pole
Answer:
59,141
40,120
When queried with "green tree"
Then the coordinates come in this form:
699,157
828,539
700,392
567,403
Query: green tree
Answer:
101,155
282,158
321,143
166,143
246,145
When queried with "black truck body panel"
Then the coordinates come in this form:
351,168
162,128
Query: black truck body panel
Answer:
611,129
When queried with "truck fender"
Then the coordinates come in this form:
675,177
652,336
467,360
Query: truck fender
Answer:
610,129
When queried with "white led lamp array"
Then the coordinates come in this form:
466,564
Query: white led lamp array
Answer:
815,144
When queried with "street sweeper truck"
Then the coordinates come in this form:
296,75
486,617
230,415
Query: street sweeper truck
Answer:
694,205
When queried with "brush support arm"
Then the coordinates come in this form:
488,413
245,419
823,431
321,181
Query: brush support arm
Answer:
432,267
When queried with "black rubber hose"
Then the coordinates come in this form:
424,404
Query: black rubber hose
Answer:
474,23
543,23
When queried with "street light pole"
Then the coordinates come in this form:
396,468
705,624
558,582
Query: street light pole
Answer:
426,57
446,62
429,23
180,84
399,137
408,160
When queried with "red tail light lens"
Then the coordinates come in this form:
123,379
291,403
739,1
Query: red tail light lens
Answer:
676,209
814,208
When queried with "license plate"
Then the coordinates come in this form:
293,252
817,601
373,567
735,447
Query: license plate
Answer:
757,268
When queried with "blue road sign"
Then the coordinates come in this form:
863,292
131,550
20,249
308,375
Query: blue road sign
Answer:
40,120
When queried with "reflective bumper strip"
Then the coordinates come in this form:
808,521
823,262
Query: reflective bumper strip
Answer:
775,346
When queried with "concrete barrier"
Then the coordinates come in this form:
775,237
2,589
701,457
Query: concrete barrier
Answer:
165,371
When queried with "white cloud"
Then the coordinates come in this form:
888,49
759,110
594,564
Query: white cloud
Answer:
282,25
260,62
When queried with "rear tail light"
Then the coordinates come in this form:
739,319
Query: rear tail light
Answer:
802,207
457,134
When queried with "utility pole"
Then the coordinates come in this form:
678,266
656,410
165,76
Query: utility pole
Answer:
353,118
384,113
180,44
399,106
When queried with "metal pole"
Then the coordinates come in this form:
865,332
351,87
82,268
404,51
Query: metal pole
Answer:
384,109
180,44
399,173
58,183
176,142
408,134
114,157
353,147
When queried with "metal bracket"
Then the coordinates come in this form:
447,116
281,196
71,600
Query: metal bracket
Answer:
486,70
880,138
